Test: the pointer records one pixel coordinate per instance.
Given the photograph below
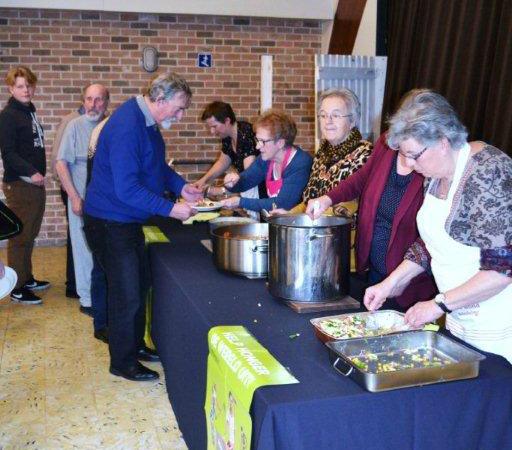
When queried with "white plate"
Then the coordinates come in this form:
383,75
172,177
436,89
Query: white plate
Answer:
213,207
8,282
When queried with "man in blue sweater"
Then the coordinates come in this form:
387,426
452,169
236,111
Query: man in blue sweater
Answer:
129,177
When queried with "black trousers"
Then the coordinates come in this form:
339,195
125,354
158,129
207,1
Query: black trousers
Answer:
119,248
70,266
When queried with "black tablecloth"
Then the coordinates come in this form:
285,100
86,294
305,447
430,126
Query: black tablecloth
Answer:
324,411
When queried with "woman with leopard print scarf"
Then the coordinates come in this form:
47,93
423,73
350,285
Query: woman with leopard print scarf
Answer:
343,150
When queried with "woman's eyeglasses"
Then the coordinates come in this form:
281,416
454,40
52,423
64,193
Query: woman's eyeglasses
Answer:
414,157
263,141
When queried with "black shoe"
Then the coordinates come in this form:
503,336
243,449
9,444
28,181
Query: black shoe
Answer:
102,335
71,293
87,310
136,373
25,297
36,285
146,354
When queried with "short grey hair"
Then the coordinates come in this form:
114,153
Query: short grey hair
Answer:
427,117
350,99
167,85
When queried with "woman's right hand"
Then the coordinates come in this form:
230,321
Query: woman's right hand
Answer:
231,179
376,295
316,206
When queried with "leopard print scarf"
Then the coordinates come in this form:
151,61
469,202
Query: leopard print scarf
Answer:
327,169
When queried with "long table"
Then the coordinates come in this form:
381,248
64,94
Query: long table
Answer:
325,410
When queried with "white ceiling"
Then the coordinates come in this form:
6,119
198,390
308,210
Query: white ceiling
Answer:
300,9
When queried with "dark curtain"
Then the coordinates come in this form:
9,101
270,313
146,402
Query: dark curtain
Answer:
461,49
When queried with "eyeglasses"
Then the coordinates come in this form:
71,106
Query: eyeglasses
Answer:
334,116
262,142
414,157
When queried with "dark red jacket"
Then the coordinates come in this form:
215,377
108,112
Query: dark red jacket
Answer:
368,184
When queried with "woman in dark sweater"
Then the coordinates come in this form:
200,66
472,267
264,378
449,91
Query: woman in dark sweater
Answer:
24,158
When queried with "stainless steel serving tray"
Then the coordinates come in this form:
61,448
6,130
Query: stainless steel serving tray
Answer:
464,362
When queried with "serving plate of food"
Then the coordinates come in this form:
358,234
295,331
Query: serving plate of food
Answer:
359,325
206,205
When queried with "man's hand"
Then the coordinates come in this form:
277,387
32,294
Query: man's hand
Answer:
192,193
77,205
231,202
182,211
231,179
37,179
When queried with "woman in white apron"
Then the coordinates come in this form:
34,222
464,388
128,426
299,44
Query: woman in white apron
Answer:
465,225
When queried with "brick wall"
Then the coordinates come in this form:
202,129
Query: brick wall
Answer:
68,49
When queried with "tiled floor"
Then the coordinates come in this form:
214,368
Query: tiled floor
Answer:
55,388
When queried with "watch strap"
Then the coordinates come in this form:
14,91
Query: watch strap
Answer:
440,301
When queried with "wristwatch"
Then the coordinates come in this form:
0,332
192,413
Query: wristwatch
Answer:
440,300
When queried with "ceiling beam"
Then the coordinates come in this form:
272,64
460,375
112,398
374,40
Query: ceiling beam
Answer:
346,25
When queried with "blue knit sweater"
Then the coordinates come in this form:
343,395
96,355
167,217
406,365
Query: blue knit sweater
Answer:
129,174
295,178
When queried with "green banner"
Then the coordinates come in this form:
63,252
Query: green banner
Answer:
237,365
153,234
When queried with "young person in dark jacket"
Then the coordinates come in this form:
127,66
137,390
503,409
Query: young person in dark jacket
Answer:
24,158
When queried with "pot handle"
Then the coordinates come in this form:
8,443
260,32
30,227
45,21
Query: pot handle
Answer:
260,248
317,236
336,367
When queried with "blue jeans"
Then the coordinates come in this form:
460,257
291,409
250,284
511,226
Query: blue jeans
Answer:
119,248
98,295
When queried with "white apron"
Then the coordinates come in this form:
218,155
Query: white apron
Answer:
486,325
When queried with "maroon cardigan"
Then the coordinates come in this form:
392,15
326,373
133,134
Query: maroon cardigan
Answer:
368,184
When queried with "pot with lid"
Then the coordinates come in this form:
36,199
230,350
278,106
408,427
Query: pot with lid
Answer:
309,261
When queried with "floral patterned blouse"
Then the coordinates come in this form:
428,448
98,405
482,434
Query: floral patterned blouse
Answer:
245,145
481,214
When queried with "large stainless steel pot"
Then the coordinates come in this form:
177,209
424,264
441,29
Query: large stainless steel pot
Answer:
309,261
242,249
231,220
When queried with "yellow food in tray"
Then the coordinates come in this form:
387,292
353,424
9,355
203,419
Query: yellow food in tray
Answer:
403,359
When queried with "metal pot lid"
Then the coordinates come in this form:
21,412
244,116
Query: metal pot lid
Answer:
304,221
